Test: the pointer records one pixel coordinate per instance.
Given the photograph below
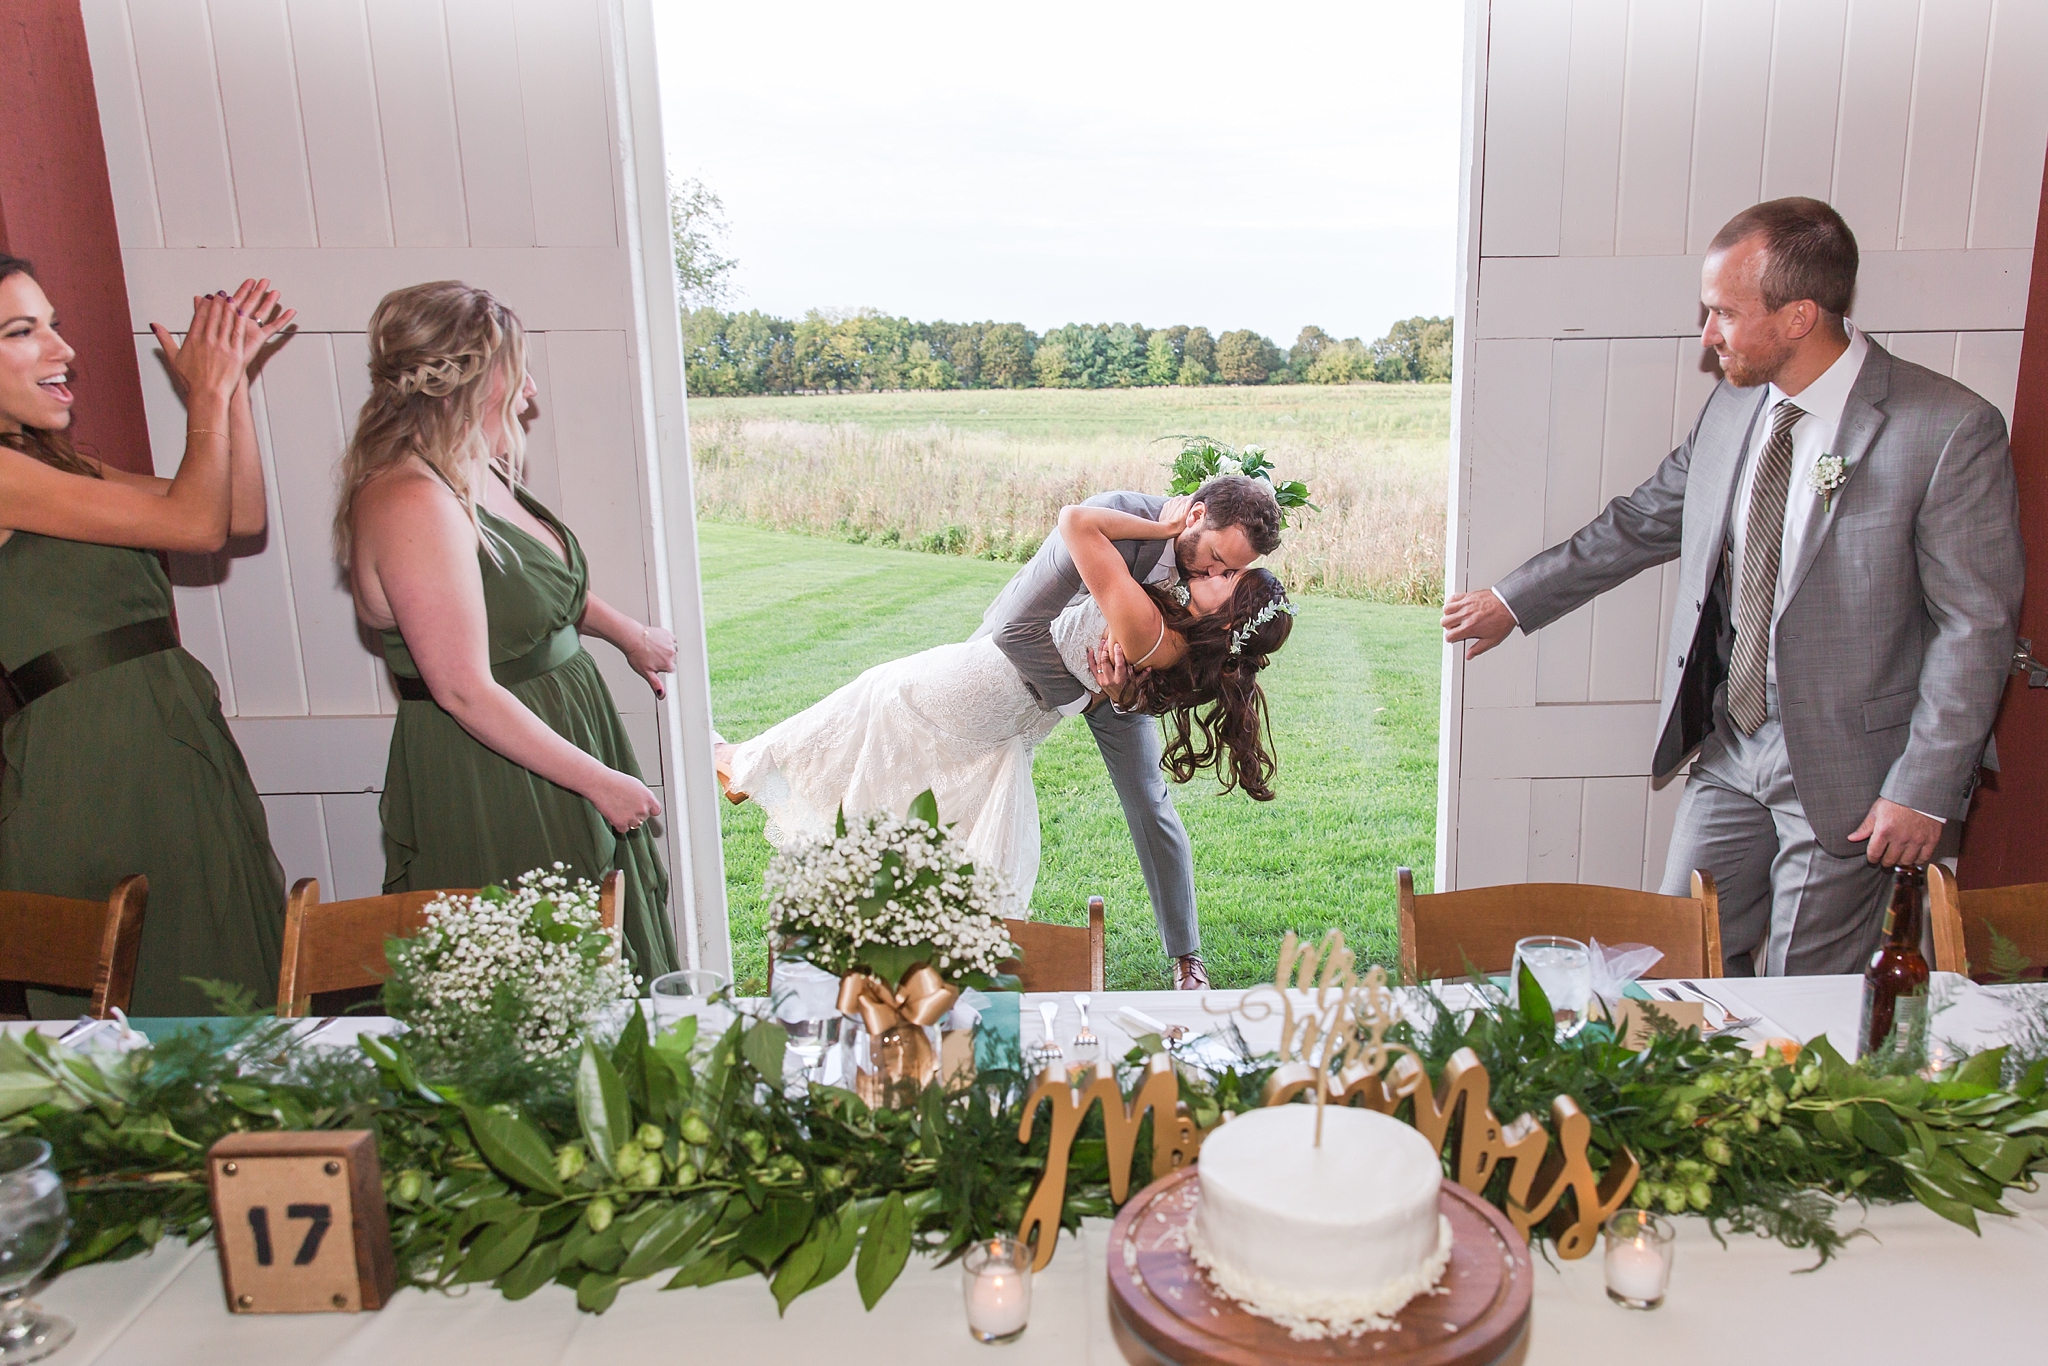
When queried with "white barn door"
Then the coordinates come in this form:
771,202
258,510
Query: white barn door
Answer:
344,148
1606,141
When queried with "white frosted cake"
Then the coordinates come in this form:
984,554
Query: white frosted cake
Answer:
1323,1240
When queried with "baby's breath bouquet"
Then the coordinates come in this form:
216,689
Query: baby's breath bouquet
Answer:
887,893
533,966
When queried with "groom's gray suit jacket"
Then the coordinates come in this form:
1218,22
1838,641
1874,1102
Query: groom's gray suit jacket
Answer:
1897,632
1021,616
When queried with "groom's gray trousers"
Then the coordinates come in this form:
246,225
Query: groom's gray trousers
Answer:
1021,620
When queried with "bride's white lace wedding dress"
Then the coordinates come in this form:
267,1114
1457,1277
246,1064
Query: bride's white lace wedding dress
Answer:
956,719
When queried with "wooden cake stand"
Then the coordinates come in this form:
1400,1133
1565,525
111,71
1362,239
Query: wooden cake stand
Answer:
1164,1309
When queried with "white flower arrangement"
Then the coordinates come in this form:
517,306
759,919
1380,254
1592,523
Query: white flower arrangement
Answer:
536,958
1828,474
888,893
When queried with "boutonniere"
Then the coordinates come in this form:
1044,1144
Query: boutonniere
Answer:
1828,474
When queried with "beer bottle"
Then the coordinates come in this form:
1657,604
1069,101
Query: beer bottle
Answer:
1895,983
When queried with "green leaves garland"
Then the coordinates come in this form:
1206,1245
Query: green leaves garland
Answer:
1202,458
681,1161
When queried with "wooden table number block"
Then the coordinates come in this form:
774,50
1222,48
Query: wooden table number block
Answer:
299,1220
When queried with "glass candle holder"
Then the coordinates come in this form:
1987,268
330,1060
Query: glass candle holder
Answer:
1639,1247
995,1279
1563,968
693,991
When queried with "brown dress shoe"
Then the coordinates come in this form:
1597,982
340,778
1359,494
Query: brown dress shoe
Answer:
1189,974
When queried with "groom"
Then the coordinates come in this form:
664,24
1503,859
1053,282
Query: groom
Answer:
1232,521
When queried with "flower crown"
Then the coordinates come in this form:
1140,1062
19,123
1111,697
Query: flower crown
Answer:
1251,628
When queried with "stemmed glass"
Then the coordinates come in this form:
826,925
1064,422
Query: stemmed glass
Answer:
33,1226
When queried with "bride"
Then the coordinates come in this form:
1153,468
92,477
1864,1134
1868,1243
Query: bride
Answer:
958,719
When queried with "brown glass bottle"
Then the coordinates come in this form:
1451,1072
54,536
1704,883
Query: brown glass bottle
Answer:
1895,983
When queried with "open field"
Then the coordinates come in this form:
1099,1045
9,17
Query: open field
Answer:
982,473
1354,705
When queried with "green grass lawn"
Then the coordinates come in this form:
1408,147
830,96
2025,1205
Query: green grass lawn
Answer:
1354,706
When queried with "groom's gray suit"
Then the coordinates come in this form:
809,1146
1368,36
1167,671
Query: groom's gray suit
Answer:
1892,641
1021,621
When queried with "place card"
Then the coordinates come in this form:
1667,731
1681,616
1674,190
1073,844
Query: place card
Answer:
1632,1023
300,1222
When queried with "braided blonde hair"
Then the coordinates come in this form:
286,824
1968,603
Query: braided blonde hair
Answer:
434,350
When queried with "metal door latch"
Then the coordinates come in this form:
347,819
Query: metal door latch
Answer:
2023,662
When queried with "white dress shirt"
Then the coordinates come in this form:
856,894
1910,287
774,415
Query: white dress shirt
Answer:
1813,436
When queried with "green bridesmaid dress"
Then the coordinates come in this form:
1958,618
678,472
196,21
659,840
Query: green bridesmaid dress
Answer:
129,767
459,814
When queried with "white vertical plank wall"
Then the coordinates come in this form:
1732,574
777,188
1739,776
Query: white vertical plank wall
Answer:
1605,143
347,147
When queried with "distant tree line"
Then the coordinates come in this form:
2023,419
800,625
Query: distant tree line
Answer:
756,353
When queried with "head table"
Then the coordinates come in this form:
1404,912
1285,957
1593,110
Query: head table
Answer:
1919,1286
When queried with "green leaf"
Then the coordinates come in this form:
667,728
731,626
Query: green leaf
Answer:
671,1238
800,1267
596,1291
497,1248
782,1221
893,962
764,1046
840,1247
535,1270
710,1269
514,1147
1878,1129
632,1042
839,824
1537,1011
883,1250
21,1091
1983,1069
601,1106
925,807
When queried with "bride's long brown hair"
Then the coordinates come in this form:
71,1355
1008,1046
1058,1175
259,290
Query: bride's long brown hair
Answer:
48,445
1210,699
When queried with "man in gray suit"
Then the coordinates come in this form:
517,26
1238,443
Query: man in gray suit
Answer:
1850,572
1232,521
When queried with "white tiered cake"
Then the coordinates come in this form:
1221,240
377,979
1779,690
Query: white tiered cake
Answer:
1323,1240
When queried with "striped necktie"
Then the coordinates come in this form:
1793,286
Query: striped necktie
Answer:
1756,595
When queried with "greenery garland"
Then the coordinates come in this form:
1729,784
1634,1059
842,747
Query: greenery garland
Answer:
666,1156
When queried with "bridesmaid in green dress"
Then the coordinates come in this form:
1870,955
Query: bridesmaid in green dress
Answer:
508,753
117,758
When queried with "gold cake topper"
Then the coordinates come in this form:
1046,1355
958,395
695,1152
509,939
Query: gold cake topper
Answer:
1333,1044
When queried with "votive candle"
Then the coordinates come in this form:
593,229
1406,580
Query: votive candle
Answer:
995,1278
1639,1247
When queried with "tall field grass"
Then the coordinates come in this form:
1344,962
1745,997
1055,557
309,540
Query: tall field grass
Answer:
984,473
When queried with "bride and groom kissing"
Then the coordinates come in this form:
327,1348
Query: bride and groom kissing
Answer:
1142,614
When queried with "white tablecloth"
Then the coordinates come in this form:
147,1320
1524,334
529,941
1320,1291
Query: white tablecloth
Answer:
1920,1286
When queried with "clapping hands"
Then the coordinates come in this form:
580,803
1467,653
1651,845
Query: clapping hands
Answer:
237,325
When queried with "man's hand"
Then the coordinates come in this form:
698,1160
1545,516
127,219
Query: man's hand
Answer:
1897,834
1113,674
1480,617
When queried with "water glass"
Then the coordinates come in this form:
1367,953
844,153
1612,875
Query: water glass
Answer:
1563,968
33,1227
995,1279
1639,1247
693,991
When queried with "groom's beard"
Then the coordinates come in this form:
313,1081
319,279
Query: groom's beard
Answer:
1185,547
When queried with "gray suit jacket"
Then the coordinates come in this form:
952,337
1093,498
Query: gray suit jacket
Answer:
1897,632
1021,616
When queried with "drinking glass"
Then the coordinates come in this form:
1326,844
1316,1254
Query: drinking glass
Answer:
1639,1247
995,1280
1563,968
33,1226
693,991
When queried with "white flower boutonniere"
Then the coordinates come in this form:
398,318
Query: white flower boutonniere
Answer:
1829,473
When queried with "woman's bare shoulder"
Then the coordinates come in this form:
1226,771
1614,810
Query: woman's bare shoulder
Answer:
409,494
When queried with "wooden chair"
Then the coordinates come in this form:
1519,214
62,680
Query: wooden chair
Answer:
339,945
1446,934
1963,921
1060,957
57,941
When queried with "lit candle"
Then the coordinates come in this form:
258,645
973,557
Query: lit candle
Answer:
1638,1259
996,1280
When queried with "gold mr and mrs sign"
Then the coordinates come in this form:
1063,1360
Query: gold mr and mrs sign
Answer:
1332,1048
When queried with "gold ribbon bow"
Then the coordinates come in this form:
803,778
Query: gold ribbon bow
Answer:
922,999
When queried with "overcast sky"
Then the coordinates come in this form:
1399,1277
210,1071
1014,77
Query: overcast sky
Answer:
1228,165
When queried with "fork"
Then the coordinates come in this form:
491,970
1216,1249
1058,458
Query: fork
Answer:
1048,1051
1085,1042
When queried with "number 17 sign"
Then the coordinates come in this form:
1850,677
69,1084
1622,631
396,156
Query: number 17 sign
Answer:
300,1222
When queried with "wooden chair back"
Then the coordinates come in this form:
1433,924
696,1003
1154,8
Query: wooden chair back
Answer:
339,945
63,942
1060,957
1963,921
1448,933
